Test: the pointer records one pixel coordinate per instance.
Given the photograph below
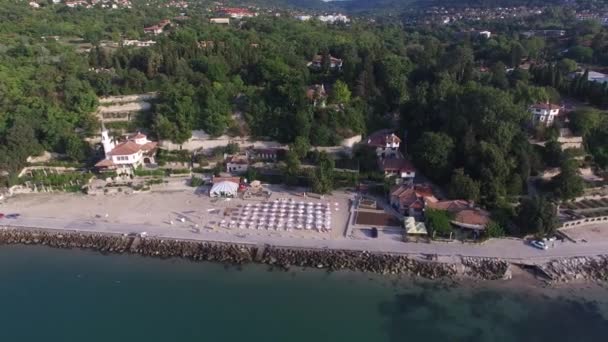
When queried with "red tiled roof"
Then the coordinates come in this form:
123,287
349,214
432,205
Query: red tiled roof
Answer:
451,206
126,148
148,146
546,106
475,217
414,196
105,163
396,164
382,137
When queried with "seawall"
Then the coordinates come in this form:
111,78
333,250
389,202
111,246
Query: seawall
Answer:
561,270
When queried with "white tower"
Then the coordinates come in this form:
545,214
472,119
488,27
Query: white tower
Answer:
106,141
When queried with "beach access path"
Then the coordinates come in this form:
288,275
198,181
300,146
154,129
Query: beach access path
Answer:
123,222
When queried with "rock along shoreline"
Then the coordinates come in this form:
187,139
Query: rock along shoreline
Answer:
563,270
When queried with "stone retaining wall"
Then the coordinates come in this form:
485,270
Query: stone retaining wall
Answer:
424,266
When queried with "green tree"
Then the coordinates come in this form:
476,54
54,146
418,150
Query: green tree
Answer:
340,93
568,184
432,154
323,177
463,187
584,121
301,146
537,215
291,170
494,230
438,221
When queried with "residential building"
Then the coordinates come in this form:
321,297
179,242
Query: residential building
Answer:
400,168
135,151
464,213
317,63
317,95
333,18
237,164
224,21
592,76
237,13
158,28
544,113
138,43
410,200
386,143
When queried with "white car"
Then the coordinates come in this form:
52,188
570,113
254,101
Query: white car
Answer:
539,244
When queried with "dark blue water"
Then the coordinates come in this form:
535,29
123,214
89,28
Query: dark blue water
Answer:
71,295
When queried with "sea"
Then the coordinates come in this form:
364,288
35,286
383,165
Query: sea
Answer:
74,295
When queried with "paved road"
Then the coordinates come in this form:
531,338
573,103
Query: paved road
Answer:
510,249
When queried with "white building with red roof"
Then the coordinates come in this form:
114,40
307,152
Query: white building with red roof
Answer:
386,143
544,113
464,213
134,151
398,167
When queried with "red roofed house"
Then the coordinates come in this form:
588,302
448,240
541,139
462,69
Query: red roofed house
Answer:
158,28
237,13
465,214
544,113
132,153
410,200
386,143
402,168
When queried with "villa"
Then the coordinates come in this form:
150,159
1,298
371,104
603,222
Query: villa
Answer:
237,164
386,143
400,168
544,113
410,200
135,151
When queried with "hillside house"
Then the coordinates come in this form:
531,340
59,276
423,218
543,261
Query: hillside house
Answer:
386,143
400,168
317,63
135,151
317,95
410,200
544,113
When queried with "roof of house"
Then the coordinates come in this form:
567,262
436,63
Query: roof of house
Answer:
238,159
472,217
382,138
396,164
415,196
139,135
546,106
105,163
451,205
125,148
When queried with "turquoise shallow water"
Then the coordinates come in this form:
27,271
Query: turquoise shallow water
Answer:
71,295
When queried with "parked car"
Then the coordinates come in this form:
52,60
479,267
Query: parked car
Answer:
13,216
1,215
539,244
374,232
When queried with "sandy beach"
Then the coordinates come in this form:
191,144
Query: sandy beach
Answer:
192,215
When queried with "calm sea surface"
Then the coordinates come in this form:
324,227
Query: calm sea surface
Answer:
71,295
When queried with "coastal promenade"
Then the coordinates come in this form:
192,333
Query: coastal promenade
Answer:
508,249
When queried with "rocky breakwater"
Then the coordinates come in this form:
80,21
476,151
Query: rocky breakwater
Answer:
486,268
197,251
102,243
579,268
357,261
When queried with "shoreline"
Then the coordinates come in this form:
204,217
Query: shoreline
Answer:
581,270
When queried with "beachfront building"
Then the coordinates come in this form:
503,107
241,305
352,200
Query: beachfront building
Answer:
410,200
386,143
464,214
158,28
544,113
237,164
136,150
